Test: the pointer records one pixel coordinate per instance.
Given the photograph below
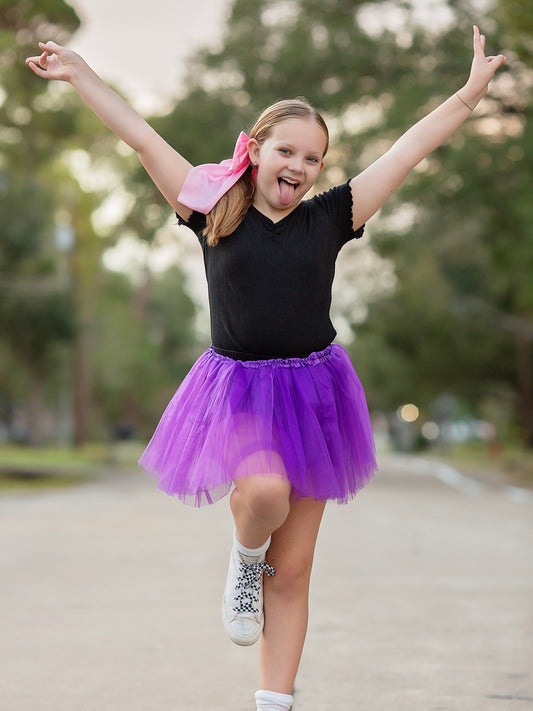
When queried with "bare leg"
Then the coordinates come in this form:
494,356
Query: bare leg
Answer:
286,595
260,504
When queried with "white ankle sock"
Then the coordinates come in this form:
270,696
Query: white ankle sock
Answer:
250,551
272,701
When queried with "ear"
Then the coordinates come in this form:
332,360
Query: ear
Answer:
253,150
322,166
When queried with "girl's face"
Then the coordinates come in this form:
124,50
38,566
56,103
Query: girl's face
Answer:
289,162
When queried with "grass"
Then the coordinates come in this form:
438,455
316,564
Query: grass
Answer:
35,468
509,460
31,469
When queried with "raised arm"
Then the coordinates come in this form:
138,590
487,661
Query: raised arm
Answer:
375,185
167,168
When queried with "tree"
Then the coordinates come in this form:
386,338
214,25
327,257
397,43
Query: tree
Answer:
64,323
458,232
42,288
473,226
36,313
516,19
146,340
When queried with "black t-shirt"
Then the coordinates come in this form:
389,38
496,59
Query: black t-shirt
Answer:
270,283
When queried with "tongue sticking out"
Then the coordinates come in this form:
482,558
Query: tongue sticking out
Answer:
286,192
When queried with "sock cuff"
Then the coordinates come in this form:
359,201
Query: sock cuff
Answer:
250,551
274,697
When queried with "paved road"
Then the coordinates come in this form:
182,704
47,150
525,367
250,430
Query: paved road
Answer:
422,600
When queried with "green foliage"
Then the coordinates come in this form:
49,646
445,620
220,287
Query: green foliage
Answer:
461,318
465,257
146,342
473,217
65,332
22,230
36,307
516,18
26,15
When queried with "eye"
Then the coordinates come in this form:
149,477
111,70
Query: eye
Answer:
285,151
313,159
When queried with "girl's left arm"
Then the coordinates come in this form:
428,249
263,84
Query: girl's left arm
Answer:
375,185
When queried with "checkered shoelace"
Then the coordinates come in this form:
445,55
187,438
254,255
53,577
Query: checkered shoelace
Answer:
248,586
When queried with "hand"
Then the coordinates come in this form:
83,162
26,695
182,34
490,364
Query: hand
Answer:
55,62
483,68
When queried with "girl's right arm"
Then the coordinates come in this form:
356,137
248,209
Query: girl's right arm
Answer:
167,168
376,184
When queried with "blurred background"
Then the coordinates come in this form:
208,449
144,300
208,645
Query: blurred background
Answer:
103,298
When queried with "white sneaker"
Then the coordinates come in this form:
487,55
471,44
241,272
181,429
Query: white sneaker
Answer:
242,604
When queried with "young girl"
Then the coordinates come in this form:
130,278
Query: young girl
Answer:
273,409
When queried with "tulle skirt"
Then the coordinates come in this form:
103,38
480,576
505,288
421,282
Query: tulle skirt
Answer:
304,420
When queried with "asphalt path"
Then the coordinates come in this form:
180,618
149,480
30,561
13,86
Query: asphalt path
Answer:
421,600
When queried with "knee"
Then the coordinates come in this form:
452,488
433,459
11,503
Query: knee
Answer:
266,497
291,579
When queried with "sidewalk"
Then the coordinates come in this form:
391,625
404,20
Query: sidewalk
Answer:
421,600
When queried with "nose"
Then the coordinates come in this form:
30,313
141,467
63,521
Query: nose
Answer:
296,164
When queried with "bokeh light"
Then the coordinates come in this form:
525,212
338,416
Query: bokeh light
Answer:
408,413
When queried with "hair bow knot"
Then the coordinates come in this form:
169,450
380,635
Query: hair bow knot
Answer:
205,184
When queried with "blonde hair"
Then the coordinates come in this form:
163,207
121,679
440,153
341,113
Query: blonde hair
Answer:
230,210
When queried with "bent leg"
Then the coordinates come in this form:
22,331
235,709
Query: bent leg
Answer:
286,595
260,504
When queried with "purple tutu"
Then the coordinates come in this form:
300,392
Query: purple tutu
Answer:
300,419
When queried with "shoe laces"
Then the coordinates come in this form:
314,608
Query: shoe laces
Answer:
248,585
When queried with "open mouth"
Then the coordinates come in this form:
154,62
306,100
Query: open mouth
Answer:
287,188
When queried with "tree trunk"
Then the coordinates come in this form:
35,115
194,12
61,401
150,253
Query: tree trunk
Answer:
524,370
36,408
82,386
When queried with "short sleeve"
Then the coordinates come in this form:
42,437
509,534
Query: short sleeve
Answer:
338,204
197,222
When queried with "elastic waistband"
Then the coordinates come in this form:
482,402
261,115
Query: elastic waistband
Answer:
257,361
241,355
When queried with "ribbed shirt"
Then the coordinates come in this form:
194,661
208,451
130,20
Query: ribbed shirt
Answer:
270,283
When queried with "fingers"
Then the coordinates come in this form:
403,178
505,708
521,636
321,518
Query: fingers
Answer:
479,50
497,61
36,69
51,47
48,48
479,42
40,64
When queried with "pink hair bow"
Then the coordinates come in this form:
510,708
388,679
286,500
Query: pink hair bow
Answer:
205,184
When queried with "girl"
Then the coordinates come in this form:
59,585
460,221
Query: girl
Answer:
273,408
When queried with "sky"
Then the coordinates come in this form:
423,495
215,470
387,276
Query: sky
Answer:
143,52
141,46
